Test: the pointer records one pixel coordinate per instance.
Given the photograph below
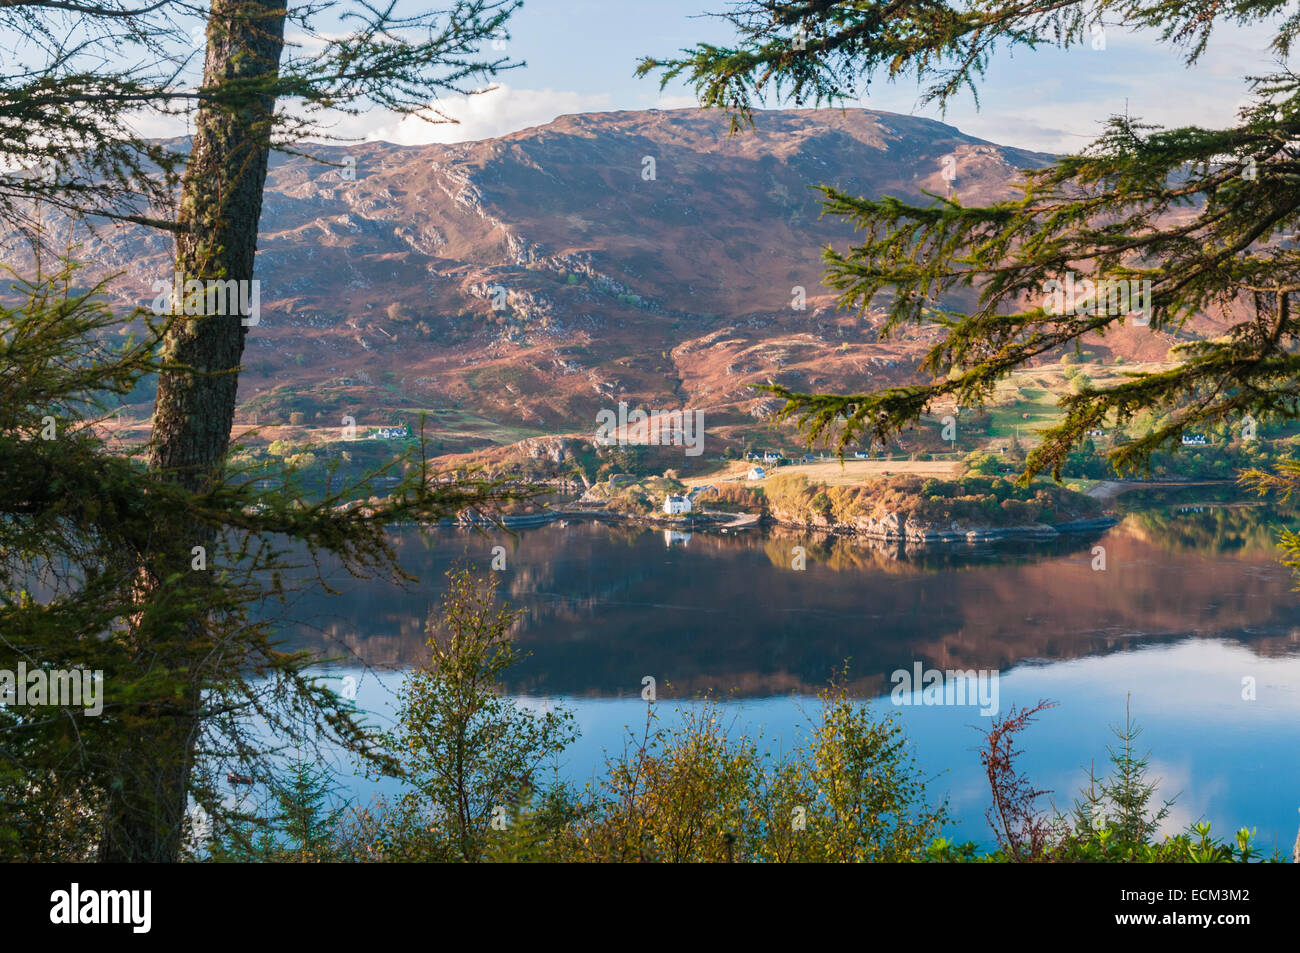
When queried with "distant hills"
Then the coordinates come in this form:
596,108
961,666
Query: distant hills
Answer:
528,281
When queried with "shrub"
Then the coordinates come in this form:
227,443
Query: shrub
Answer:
696,792
982,464
734,496
469,753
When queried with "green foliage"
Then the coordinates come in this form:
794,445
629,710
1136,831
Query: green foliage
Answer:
981,464
870,802
685,794
87,522
1284,482
300,823
1113,820
1121,802
468,753
696,791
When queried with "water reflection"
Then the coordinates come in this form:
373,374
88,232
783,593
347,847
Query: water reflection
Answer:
1191,611
609,603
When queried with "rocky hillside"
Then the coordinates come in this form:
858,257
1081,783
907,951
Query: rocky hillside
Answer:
515,286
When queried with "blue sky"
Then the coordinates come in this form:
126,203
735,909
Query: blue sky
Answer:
581,55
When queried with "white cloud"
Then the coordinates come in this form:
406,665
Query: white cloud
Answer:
497,112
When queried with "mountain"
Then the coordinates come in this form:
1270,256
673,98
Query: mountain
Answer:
517,285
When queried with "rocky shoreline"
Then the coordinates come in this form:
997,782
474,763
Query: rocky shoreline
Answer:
898,529
892,528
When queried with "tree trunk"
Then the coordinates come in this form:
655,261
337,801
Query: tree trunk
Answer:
221,203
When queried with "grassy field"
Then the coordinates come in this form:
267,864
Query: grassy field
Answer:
832,472
442,424
1026,401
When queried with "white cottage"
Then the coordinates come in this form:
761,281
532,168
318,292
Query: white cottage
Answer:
757,473
677,505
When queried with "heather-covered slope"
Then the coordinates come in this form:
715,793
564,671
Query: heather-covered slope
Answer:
519,284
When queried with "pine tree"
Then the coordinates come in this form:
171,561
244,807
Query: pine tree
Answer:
1203,215
1122,801
251,98
203,650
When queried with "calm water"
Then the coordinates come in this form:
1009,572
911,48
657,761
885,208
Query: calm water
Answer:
1191,602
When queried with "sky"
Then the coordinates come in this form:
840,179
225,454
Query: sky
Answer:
581,54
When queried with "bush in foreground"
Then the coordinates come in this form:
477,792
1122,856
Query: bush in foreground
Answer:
474,762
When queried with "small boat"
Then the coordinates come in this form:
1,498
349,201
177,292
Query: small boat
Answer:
562,524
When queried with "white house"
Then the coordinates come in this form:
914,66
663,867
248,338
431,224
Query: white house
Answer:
677,505
757,473
1193,440
390,433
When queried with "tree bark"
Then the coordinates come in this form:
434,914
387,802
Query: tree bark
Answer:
220,206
